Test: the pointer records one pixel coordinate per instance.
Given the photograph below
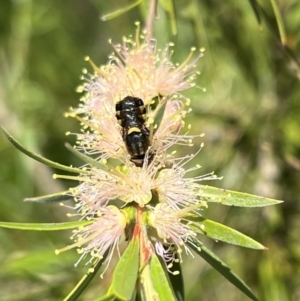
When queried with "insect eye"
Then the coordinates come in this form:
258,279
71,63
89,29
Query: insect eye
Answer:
139,102
118,106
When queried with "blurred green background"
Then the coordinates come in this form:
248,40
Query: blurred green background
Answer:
250,114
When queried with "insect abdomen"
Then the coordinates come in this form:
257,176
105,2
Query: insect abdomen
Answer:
137,144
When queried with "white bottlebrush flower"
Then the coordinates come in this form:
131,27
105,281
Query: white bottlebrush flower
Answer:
99,188
174,188
173,231
164,177
161,192
101,235
158,185
138,69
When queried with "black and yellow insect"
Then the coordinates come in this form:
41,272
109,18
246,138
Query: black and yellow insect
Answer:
130,113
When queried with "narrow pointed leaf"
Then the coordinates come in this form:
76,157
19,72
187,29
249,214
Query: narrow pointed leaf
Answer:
279,21
86,158
221,232
145,289
168,6
84,282
120,11
51,198
44,226
39,158
160,281
222,268
126,272
234,198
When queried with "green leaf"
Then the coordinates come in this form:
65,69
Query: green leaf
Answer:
86,158
279,21
223,233
51,198
84,282
160,280
234,198
120,11
39,158
126,272
44,226
222,268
